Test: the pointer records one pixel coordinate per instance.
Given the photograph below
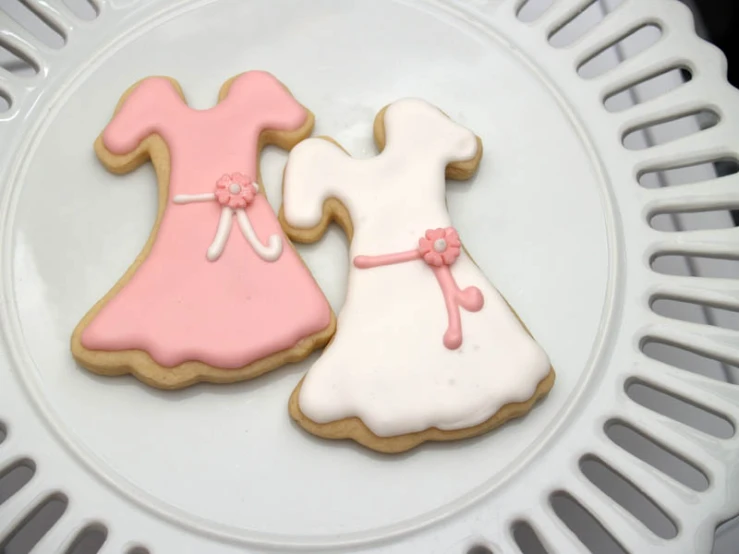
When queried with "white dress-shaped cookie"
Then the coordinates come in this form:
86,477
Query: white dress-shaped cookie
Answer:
424,341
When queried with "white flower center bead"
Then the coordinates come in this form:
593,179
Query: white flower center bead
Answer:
235,188
440,245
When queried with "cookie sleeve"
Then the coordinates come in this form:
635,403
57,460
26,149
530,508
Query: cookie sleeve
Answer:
143,111
266,103
314,173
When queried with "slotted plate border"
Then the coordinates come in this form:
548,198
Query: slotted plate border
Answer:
487,521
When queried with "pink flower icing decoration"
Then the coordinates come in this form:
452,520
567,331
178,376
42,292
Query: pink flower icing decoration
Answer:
235,190
440,246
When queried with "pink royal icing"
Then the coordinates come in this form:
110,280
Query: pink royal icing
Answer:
182,305
235,190
439,248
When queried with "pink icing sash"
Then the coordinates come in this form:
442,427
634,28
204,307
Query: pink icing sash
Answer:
439,248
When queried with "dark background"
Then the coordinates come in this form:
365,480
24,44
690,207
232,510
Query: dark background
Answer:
721,26
719,23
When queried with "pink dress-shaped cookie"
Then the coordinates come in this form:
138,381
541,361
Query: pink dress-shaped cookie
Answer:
222,284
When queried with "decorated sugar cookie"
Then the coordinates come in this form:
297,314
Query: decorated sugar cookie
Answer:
218,292
426,348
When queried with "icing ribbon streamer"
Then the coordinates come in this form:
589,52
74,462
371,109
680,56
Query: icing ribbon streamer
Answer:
234,192
439,248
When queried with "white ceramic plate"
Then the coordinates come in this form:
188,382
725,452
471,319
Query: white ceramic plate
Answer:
555,217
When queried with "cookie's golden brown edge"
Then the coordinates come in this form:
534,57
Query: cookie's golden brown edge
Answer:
138,362
353,428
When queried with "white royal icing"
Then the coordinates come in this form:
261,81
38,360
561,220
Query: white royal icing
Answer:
386,363
268,253
222,232
189,198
